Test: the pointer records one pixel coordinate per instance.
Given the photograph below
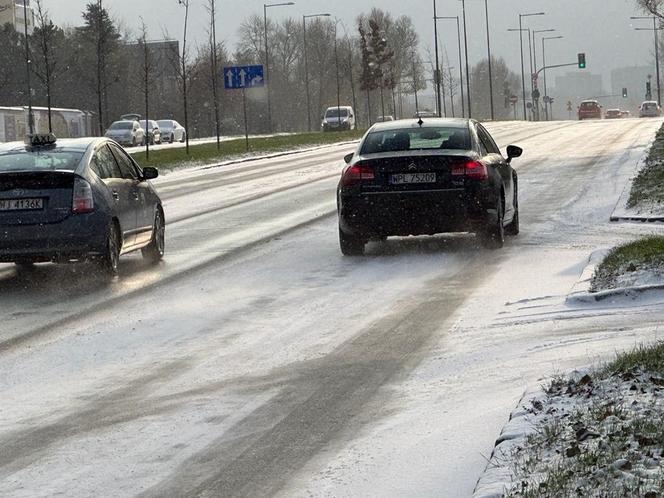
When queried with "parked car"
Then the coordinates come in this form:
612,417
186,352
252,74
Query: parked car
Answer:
338,118
412,178
590,109
650,109
153,131
613,114
76,199
383,119
172,131
126,132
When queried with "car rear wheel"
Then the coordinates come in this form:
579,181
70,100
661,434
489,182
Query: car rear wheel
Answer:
110,260
493,237
350,245
24,265
184,137
154,252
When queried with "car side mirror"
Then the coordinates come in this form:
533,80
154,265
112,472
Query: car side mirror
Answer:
150,173
349,157
351,116
513,151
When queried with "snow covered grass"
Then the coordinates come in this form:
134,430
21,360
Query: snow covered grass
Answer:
637,263
597,434
207,153
648,186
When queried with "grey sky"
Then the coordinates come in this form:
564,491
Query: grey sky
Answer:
601,28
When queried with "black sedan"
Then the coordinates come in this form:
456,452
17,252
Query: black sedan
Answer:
76,199
427,177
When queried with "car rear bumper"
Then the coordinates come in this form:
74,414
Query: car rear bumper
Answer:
414,213
76,237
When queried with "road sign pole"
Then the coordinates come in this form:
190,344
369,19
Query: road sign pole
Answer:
246,123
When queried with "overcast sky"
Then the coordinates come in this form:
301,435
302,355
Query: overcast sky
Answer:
601,28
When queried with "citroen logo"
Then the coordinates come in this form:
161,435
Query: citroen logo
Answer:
412,166
18,192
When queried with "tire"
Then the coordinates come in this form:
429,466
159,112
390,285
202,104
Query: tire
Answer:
172,138
154,251
110,260
350,245
133,142
184,137
513,228
493,237
25,265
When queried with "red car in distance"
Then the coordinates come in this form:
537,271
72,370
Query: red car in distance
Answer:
590,109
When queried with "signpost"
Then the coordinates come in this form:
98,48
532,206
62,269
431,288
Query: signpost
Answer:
242,78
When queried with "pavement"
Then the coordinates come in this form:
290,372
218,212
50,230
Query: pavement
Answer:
257,361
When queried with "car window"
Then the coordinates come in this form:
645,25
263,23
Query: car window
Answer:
104,165
40,160
400,140
486,140
126,165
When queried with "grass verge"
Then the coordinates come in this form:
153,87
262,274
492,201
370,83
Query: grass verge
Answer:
599,434
648,186
640,256
207,153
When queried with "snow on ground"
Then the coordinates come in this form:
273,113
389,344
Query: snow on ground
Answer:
389,375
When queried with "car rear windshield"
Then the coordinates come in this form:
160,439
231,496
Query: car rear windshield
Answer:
51,160
122,125
165,124
589,105
335,113
650,105
401,140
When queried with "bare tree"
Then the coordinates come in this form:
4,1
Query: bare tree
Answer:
183,74
46,33
146,80
655,7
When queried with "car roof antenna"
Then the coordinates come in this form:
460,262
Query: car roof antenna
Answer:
420,122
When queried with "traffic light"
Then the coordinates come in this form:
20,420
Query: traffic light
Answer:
624,93
582,61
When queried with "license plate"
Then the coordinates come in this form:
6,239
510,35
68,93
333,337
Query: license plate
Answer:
405,178
21,204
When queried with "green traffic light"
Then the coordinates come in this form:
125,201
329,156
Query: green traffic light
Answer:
582,61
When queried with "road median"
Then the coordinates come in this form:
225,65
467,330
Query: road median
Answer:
235,150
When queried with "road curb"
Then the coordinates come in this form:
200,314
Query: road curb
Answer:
581,294
498,478
620,210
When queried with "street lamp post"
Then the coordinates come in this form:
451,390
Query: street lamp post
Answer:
548,114
463,103
536,108
306,70
465,41
267,58
523,75
184,74
654,29
488,46
438,75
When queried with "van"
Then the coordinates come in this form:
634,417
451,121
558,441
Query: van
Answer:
338,118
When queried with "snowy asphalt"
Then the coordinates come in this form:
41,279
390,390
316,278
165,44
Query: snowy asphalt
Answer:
256,360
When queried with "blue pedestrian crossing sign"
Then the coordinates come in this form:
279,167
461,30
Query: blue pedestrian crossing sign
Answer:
239,77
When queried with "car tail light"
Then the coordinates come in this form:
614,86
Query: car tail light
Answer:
357,173
82,201
470,169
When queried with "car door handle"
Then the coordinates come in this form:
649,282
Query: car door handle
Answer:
135,194
116,196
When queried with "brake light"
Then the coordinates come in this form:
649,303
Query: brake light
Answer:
471,169
357,173
82,201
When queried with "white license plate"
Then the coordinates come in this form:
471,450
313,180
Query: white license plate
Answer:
21,204
404,178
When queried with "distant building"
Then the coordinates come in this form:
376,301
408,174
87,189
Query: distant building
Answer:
575,87
634,79
11,12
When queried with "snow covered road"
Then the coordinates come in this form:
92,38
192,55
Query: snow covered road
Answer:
256,360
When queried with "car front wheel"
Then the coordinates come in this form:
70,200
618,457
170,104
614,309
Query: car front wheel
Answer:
513,227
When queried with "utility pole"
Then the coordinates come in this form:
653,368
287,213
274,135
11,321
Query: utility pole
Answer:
488,46
438,75
465,38
655,30
215,70
184,74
